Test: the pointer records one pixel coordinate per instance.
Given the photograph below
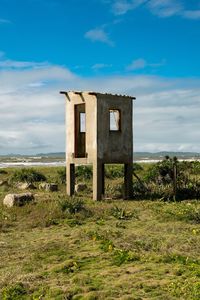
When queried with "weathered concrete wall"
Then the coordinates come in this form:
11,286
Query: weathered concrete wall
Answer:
114,146
91,126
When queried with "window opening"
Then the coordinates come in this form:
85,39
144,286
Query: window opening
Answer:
114,120
80,131
82,122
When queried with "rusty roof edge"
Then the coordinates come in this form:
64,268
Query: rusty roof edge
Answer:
96,93
110,94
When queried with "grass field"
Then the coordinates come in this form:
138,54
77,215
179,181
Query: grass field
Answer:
61,248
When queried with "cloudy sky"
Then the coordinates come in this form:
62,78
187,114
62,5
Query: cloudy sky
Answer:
145,48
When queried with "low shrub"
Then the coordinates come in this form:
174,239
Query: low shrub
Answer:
137,167
114,171
139,192
62,175
84,172
14,292
27,175
121,256
72,205
191,190
185,290
106,245
122,214
161,172
68,267
179,259
115,191
182,212
2,171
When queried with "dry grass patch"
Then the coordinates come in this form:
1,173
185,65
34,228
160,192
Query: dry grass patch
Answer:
63,248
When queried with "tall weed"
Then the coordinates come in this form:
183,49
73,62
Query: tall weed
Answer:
27,175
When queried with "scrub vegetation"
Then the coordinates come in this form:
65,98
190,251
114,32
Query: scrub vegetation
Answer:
75,248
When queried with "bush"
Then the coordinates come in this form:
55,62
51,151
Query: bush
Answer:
114,171
84,172
115,191
2,171
72,206
137,167
62,175
124,256
27,175
122,214
162,172
160,180
191,191
186,213
138,191
15,292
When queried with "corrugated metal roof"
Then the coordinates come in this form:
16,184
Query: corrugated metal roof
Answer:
97,93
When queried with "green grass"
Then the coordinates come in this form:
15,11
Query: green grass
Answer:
58,248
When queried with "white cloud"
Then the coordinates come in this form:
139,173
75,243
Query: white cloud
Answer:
166,111
99,35
100,66
121,7
7,63
137,64
141,63
165,8
168,120
191,14
36,84
19,80
32,111
160,8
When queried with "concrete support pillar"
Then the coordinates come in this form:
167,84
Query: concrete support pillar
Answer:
128,181
70,179
103,179
98,180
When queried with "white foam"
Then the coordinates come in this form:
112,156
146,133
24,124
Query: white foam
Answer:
32,164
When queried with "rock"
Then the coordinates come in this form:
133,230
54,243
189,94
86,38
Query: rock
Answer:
79,187
25,186
11,200
49,187
3,183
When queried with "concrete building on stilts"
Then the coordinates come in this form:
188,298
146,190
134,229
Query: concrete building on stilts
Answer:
99,131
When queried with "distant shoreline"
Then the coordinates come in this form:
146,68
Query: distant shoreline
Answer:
58,159
62,163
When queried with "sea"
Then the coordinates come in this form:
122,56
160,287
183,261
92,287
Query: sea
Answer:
58,160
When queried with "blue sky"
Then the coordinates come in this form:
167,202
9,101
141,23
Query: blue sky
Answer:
145,48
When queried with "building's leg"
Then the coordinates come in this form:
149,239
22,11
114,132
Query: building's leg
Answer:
128,181
103,179
97,180
70,179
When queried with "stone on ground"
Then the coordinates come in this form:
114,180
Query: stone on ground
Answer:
11,200
25,186
79,187
49,187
